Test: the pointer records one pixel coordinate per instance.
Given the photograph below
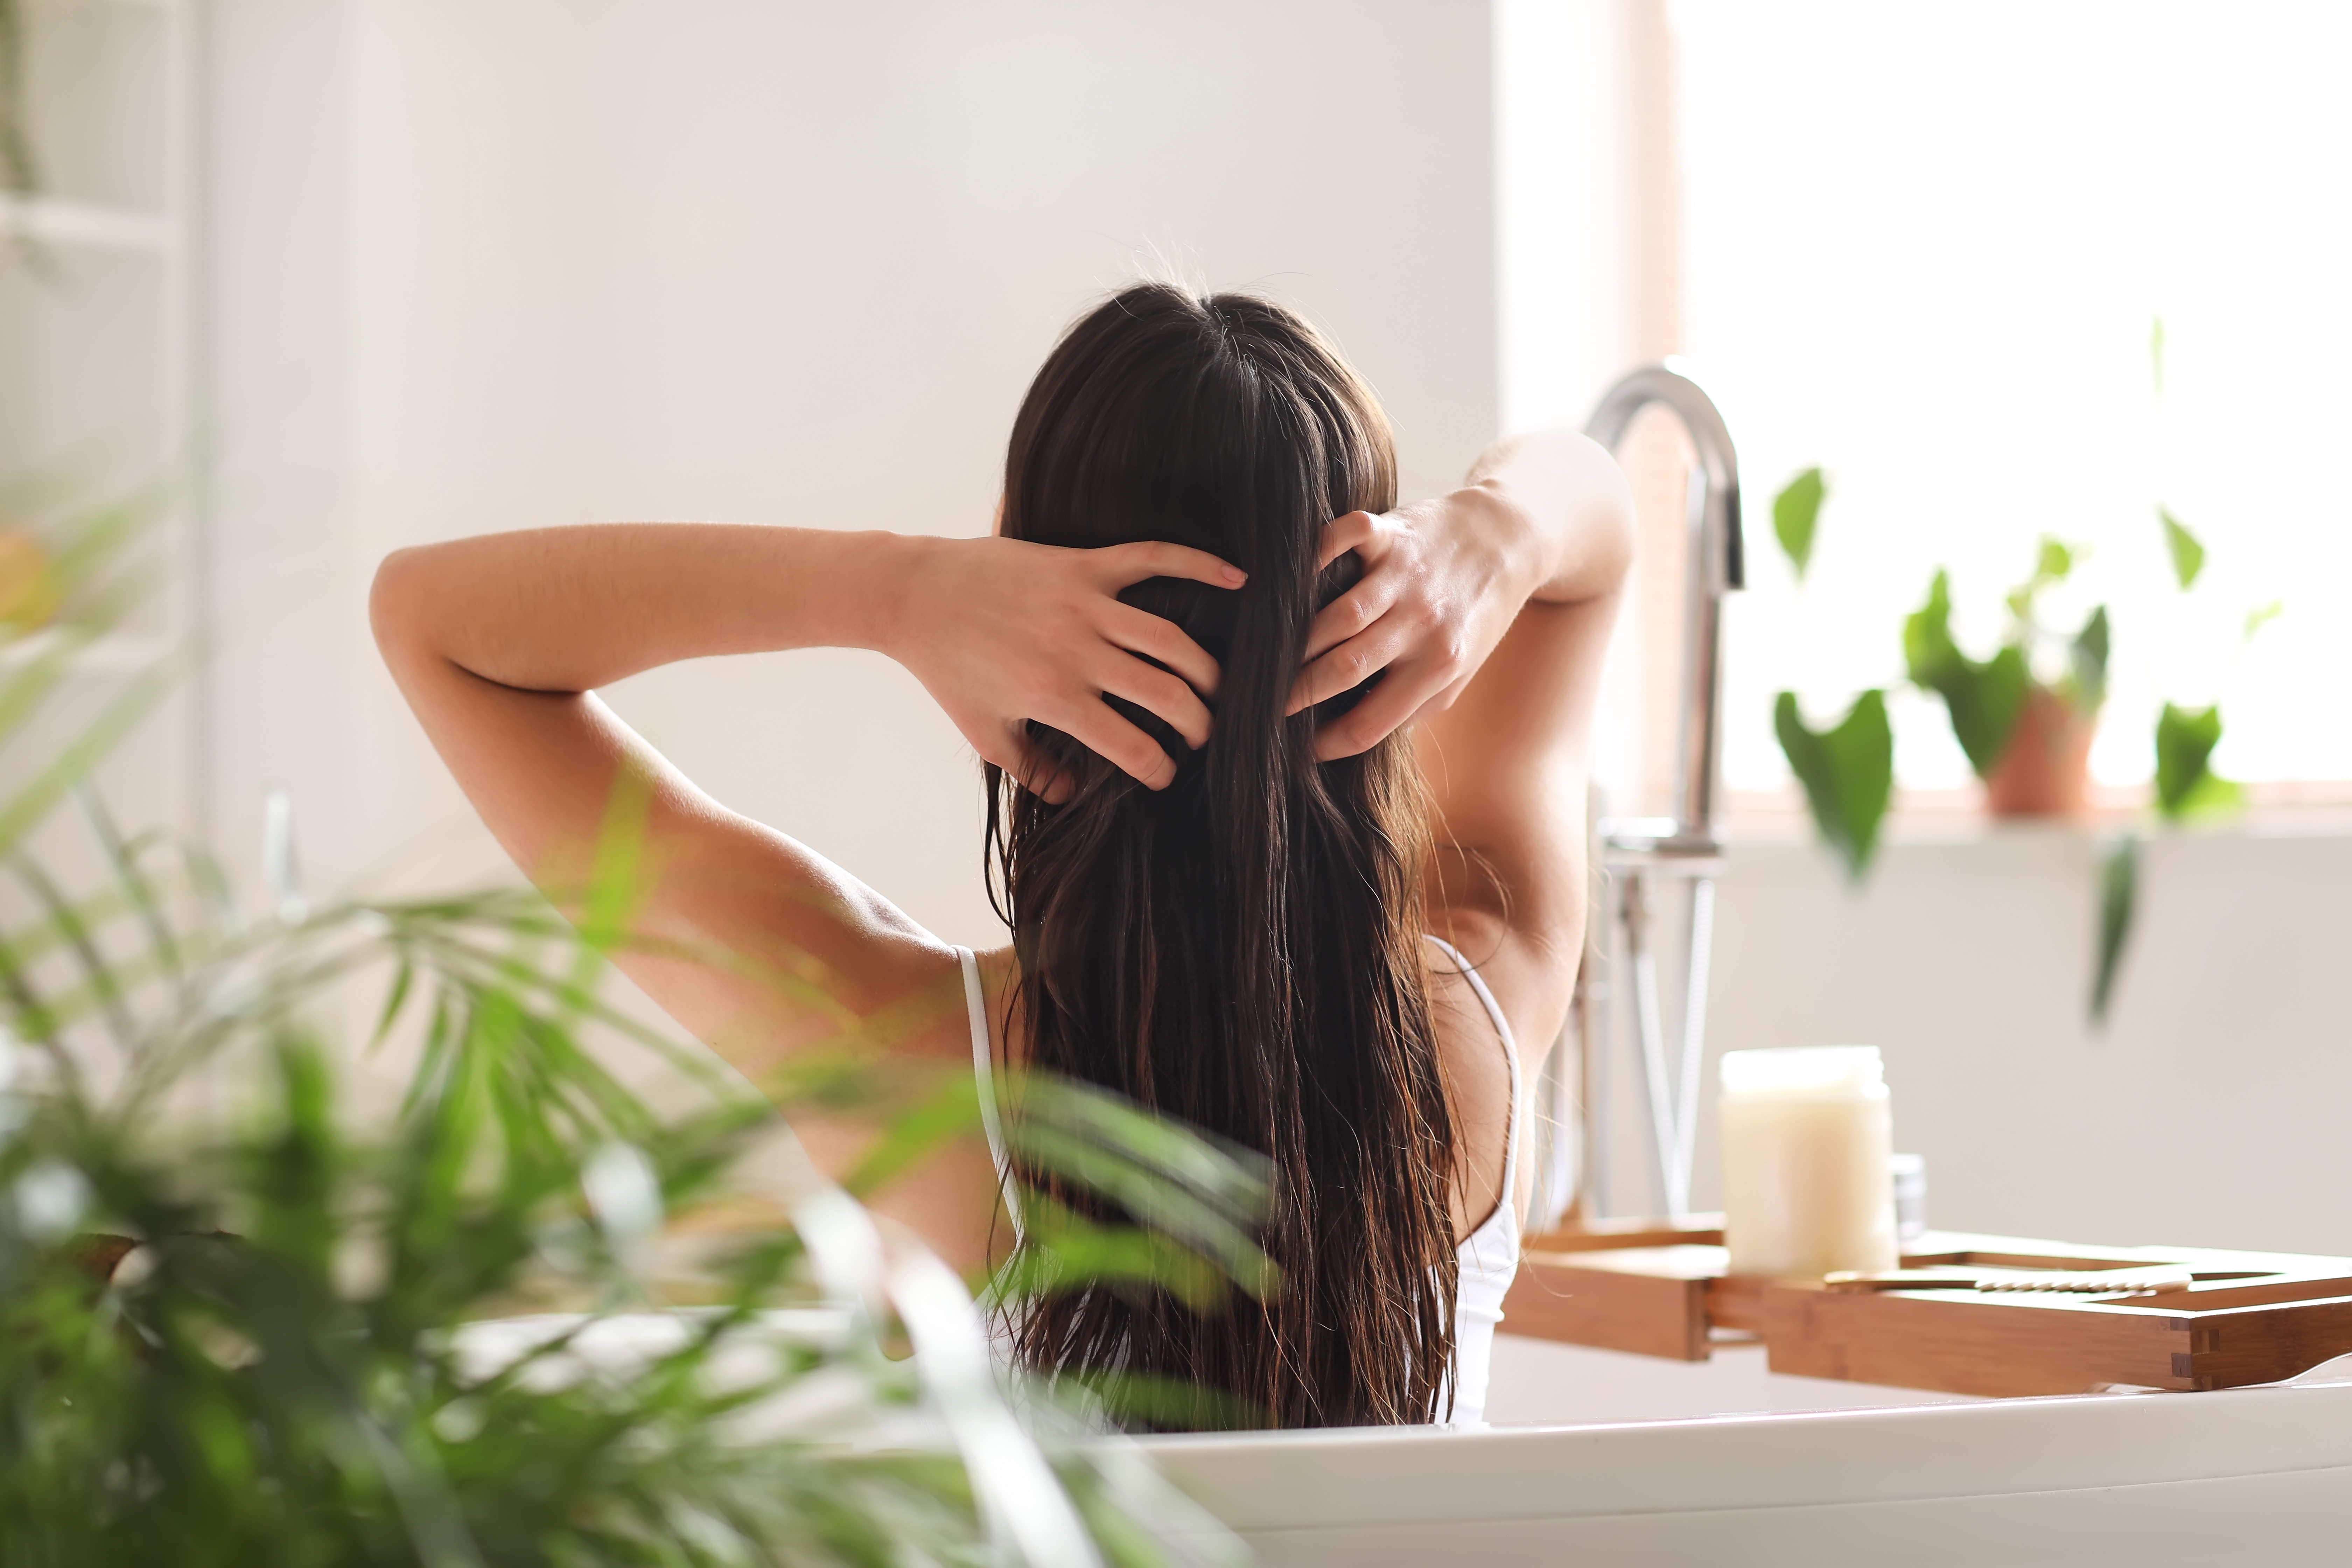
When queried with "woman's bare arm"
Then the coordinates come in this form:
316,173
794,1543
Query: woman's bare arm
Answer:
1490,610
1487,612
500,641
754,944
1505,754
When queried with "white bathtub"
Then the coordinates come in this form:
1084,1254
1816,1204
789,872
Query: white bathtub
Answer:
2248,1475
1807,1474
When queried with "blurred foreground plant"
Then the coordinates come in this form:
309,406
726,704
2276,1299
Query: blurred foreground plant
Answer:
241,1324
19,170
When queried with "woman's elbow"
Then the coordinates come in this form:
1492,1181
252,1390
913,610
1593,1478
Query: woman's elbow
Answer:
1615,526
1602,523
395,601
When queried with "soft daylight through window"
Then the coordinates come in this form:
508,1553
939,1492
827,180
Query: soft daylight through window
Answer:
2016,272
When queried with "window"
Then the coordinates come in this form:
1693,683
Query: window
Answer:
1926,247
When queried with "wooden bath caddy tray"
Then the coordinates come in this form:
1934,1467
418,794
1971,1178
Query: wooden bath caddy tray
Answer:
1663,1288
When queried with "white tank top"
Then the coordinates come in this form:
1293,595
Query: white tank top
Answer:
1487,1258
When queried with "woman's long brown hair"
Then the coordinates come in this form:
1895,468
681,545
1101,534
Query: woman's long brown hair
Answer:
1241,950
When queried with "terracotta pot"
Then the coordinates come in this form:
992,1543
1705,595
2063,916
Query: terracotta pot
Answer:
2047,771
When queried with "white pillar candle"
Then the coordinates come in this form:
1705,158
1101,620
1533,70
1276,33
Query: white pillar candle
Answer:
1807,1138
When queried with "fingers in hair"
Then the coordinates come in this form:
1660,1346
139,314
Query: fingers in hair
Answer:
1096,725
1157,692
1124,564
1385,709
1349,665
1139,631
1351,612
1033,770
1355,531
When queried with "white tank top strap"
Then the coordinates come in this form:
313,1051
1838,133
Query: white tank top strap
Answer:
984,1073
1488,1257
1511,1054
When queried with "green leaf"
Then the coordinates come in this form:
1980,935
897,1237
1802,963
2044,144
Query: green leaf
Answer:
617,886
2188,554
2212,797
20,167
2261,616
1986,706
1064,1251
81,756
1847,772
2186,785
2087,660
1983,699
1927,646
2053,560
914,1135
2119,901
1169,1402
1795,511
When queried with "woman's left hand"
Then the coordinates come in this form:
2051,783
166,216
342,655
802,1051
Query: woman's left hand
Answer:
1444,579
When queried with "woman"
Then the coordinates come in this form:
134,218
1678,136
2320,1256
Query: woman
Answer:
1240,881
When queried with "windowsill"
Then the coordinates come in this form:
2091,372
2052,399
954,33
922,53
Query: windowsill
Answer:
2277,810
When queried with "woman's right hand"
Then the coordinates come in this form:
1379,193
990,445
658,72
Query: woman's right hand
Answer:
1002,631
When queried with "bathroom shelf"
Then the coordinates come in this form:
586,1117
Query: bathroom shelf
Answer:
1664,1288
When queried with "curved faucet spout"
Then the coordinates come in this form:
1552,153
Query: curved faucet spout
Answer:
1717,568
1639,854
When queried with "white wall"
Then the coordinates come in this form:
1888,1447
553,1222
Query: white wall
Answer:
2212,1109
485,264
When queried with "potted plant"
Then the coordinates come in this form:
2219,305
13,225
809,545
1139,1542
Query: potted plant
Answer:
2025,716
